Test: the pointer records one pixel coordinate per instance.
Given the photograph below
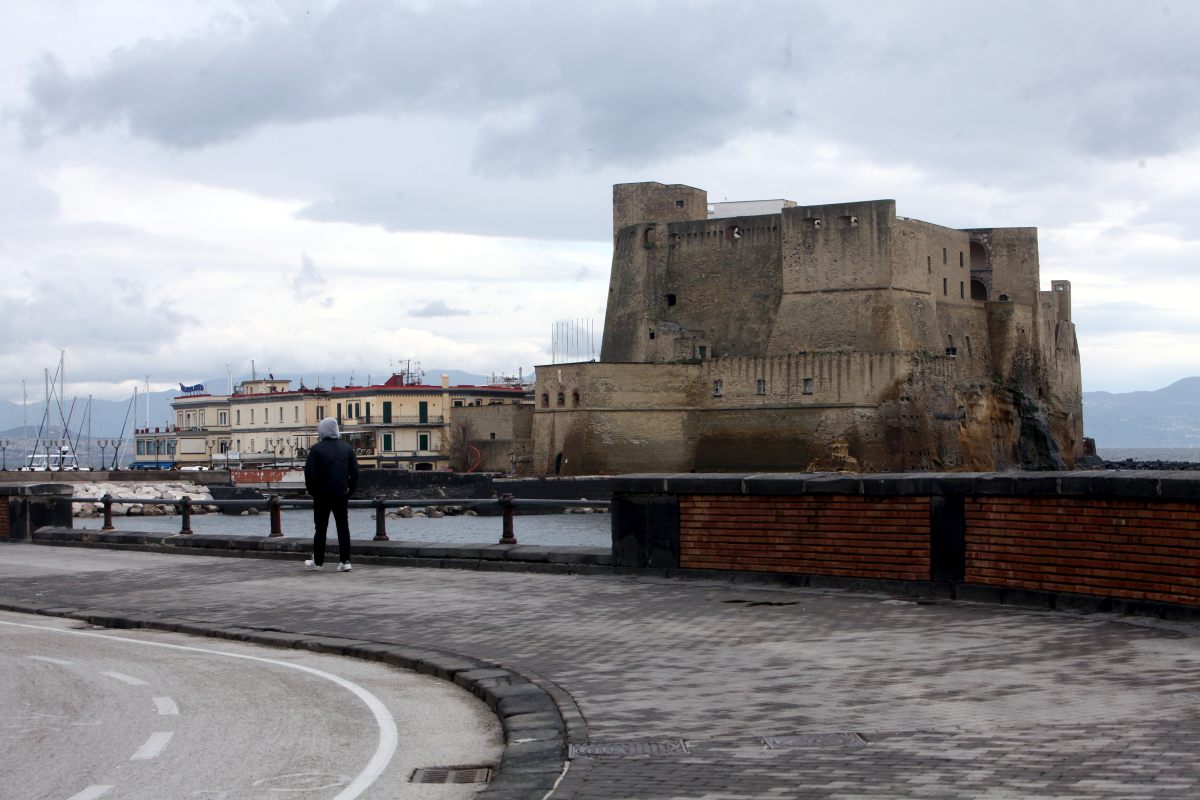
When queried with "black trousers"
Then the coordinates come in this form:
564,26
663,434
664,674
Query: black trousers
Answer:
322,506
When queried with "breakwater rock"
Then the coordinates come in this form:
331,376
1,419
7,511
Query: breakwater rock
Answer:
142,496
1173,466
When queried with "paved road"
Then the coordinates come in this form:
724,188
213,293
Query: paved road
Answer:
88,713
734,692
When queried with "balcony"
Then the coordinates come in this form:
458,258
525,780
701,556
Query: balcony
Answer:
394,419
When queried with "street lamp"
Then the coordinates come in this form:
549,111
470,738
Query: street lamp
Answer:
4,443
51,443
103,445
210,449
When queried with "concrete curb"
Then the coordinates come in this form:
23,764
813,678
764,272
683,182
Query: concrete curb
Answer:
536,730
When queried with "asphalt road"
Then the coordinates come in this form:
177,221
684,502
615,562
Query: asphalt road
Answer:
90,713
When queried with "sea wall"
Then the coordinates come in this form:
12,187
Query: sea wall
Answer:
1103,540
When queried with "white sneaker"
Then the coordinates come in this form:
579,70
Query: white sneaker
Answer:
344,566
311,564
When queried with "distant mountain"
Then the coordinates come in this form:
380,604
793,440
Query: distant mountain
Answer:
1168,417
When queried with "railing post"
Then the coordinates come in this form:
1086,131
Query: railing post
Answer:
380,521
185,512
107,500
506,503
276,519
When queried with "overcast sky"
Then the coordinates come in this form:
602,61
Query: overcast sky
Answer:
330,188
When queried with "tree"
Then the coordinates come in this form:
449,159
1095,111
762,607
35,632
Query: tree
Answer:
459,446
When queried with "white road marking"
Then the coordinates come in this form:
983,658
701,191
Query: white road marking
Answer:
91,792
123,678
166,707
50,660
153,746
388,736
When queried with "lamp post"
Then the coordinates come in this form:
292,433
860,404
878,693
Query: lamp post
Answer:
50,443
4,443
157,452
103,445
209,444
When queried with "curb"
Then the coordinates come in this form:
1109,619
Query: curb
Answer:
536,731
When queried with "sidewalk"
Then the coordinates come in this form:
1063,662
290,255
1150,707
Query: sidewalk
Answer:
680,689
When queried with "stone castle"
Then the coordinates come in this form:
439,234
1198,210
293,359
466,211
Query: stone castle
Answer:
769,336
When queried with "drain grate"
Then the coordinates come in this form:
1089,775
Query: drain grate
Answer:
815,740
451,775
660,748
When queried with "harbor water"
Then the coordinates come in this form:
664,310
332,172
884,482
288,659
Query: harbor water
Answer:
559,530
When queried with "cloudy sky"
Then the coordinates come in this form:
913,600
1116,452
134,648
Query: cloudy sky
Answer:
330,188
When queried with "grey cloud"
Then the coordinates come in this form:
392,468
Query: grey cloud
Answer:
545,82
1133,317
437,308
309,284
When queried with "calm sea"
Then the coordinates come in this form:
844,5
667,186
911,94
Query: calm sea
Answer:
571,530
1191,454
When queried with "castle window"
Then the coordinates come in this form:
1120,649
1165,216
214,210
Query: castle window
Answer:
670,299
960,258
848,221
808,386
945,256
574,398
679,204
962,292
545,401
760,386
703,351
733,232
492,435
718,387
978,290
562,400
944,285
651,333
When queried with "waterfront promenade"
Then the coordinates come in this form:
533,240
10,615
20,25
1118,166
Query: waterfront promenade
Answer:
711,690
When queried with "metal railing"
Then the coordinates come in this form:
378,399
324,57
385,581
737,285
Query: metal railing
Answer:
275,504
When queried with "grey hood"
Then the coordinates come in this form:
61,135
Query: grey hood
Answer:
328,429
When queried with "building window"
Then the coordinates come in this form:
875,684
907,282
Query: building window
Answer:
562,400
652,333
944,285
808,386
703,351
679,204
281,413
962,291
422,441
492,435
671,299
295,413
458,403
945,256
252,416
222,418
574,398
760,386
929,263
339,412
320,412
545,400
718,387
368,412
387,443
252,450
960,258
387,411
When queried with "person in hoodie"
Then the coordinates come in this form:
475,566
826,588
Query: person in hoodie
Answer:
330,476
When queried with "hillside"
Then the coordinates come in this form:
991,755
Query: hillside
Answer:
1168,417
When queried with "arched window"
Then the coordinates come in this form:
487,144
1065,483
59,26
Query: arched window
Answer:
562,400
979,256
978,290
545,400
574,398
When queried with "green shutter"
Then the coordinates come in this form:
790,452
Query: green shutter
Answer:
387,413
387,440
423,412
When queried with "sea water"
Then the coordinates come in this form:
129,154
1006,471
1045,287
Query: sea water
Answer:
1189,454
559,530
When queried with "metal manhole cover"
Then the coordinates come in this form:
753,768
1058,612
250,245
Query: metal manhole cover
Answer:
660,748
815,740
451,775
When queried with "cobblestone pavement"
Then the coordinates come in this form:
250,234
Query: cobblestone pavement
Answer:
723,692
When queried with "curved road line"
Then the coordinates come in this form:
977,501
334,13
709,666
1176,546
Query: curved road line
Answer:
388,736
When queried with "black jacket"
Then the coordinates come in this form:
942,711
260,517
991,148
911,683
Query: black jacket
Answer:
331,469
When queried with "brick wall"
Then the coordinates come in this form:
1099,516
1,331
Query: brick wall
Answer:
862,537
5,519
1133,549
